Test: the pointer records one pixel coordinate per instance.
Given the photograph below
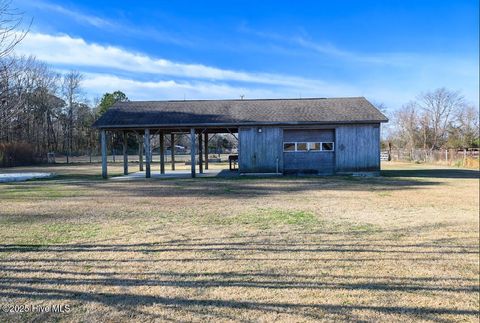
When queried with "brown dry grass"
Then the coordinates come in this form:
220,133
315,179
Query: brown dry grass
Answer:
403,247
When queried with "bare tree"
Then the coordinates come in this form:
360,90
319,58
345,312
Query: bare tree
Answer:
11,31
467,126
12,94
45,105
386,134
71,92
29,106
438,109
407,125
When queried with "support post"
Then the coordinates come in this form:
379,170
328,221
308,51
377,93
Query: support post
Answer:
148,157
103,142
206,150
172,149
125,154
140,155
162,153
200,154
192,151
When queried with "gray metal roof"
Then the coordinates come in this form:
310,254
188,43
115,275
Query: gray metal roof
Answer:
141,114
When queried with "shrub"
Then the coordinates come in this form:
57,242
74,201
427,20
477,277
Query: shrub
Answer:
16,154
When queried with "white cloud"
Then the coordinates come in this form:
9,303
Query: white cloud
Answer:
408,60
170,90
331,50
104,24
138,75
323,48
76,15
69,51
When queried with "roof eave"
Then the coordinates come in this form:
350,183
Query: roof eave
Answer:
236,124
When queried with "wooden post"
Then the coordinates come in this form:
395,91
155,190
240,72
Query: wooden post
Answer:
140,155
200,154
148,152
206,150
162,153
103,141
192,151
172,149
125,154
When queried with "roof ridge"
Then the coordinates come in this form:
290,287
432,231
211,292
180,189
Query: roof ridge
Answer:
268,99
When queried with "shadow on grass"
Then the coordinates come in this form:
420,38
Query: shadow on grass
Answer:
102,274
255,187
432,173
127,300
71,186
311,248
74,286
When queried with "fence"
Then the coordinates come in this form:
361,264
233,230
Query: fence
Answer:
113,156
179,158
458,157
396,154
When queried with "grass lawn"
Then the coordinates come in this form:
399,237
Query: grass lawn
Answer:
401,247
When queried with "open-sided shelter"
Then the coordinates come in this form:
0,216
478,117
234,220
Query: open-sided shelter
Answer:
315,135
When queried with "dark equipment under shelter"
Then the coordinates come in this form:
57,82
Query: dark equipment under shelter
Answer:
322,136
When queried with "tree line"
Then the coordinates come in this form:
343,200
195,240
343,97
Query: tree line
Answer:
44,111
438,119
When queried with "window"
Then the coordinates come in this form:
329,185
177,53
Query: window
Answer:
314,146
302,146
288,146
307,146
327,146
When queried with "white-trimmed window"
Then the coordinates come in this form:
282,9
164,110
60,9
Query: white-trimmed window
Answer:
314,146
289,146
302,146
308,146
327,146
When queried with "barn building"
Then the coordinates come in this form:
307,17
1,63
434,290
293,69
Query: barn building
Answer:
316,136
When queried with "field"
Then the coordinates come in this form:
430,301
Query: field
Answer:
401,247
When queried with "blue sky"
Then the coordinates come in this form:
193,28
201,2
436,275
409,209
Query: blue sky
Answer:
387,51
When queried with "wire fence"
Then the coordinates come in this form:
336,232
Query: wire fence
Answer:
395,154
179,158
459,157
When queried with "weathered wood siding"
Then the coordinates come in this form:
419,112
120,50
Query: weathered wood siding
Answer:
316,162
357,148
259,152
308,135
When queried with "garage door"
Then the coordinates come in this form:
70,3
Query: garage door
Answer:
309,151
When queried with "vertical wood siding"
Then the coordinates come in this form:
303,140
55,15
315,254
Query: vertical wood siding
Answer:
259,151
358,148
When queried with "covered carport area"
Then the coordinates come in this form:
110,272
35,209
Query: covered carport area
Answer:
199,138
